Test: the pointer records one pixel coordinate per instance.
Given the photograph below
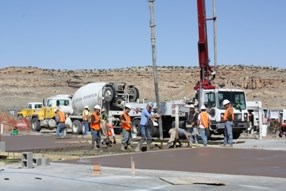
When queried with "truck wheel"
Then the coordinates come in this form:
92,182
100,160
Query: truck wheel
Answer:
35,124
109,93
77,127
236,135
133,94
136,124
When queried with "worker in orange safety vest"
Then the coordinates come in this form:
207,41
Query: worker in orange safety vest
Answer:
85,119
126,125
60,118
204,122
228,118
95,127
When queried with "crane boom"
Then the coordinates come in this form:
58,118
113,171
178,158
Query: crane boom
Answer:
205,68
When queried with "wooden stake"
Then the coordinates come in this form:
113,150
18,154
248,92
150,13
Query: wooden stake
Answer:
96,169
132,167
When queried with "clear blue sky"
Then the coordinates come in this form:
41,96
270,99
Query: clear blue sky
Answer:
102,34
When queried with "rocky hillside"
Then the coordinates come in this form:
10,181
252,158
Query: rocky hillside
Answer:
20,85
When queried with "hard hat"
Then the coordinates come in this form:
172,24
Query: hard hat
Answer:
190,106
128,105
203,107
86,107
97,107
150,104
225,102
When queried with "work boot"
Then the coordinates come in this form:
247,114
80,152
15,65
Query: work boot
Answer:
129,148
169,144
114,140
98,144
122,148
138,148
92,144
148,145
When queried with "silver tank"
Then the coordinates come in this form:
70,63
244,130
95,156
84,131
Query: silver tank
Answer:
89,94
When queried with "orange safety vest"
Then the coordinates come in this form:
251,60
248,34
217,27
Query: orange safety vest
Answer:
95,125
62,116
204,118
229,114
127,118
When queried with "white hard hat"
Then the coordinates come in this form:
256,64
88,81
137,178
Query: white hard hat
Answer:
97,107
57,109
190,106
128,105
203,107
86,107
225,102
150,104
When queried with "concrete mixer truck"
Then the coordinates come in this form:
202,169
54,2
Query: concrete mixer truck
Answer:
112,97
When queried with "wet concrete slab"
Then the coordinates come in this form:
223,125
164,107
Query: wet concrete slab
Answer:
39,143
205,160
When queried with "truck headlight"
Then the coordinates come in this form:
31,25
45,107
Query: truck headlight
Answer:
245,117
221,116
239,117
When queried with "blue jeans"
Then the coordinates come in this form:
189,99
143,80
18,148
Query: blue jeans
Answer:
86,126
193,131
60,129
228,132
126,137
96,137
145,134
204,136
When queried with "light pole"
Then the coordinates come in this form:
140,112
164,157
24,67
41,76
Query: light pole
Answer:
154,56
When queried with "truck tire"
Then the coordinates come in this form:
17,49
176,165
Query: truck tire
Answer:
35,124
136,124
109,94
133,94
77,127
235,135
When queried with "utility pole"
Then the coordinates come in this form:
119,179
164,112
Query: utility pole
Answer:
154,56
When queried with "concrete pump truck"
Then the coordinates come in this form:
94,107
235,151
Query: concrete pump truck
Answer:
210,96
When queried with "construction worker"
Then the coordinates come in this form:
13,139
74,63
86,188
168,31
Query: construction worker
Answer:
204,122
60,118
228,118
126,125
145,127
85,118
191,123
109,126
175,135
95,127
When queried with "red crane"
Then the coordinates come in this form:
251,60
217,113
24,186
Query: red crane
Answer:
206,71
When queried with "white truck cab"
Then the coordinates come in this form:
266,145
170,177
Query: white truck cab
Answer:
213,98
